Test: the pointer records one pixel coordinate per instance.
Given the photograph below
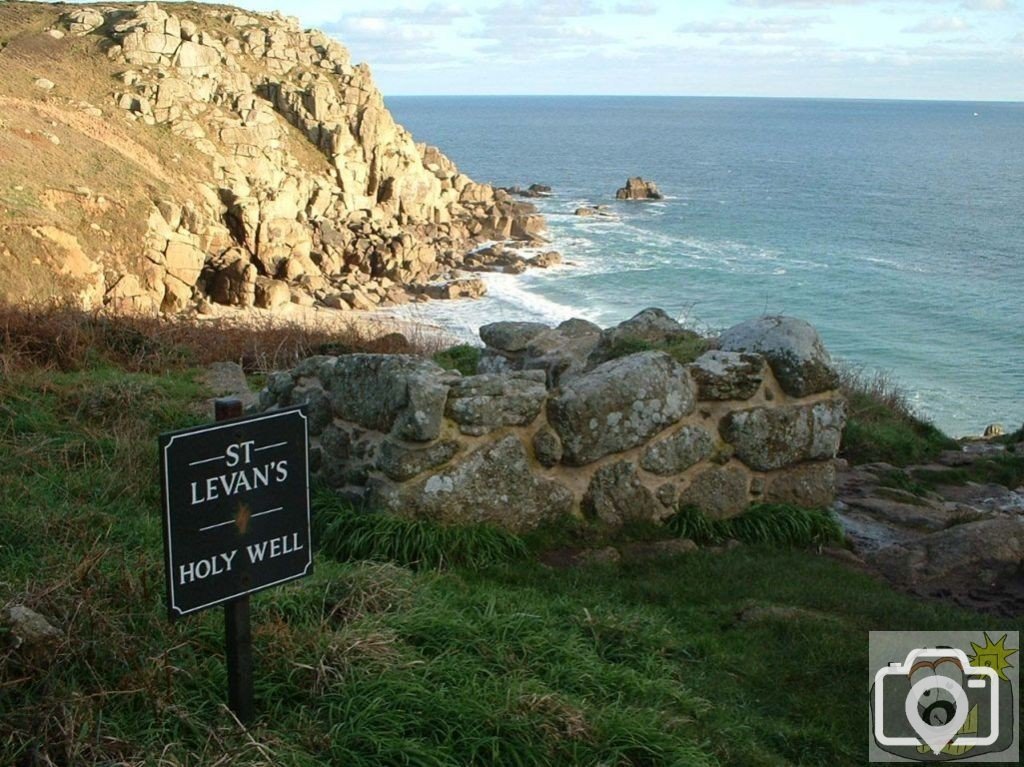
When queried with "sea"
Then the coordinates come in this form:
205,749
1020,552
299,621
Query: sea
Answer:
896,228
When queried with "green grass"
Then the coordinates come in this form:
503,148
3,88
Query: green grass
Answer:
882,425
763,523
464,358
371,663
348,534
1006,470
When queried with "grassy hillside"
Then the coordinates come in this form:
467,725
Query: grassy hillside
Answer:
663,663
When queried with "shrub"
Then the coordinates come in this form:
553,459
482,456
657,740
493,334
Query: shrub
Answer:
763,523
464,358
684,349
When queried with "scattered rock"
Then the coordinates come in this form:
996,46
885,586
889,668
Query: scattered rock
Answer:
29,632
44,85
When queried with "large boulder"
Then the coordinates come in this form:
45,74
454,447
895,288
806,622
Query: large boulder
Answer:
651,327
619,405
766,439
494,484
397,394
976,554
638,189
792,347
482,403
511,336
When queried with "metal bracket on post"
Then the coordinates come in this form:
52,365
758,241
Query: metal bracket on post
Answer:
237,627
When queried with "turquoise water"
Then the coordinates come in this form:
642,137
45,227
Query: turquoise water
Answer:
896,228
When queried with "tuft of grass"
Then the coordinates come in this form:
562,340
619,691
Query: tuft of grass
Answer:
763,523
464,358
347,534
881,423
900,480
684,349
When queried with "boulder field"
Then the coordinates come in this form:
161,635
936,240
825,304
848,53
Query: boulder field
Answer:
556,424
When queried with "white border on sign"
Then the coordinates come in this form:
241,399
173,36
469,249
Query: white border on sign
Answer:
167,509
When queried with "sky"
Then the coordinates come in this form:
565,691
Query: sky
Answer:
914,49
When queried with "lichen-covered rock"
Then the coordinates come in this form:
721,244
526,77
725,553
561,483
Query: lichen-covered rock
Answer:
482,403
493,484
511,336
728,375
397,394
619,404
401,461
547,447
766,439
792,347
718,492
679,451
812,485
616,495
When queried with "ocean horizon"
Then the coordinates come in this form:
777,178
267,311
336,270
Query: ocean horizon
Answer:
893,226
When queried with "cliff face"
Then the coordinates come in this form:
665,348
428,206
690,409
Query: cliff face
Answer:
258,166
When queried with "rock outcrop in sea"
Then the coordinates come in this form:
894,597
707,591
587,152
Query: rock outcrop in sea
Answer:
558,422
638,189
269,167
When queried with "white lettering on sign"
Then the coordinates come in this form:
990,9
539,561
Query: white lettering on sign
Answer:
204,568
275,547
244,479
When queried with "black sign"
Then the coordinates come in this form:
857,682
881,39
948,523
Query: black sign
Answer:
236,508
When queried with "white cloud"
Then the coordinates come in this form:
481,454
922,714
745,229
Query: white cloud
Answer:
939,25
768,25
637,8
797,3
986,5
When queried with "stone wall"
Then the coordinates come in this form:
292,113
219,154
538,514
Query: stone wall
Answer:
555,428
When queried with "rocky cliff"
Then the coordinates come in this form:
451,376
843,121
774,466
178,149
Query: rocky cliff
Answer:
156,157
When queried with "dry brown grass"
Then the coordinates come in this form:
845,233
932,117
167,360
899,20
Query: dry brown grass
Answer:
65,338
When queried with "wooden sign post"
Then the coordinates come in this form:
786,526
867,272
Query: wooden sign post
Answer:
236,521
